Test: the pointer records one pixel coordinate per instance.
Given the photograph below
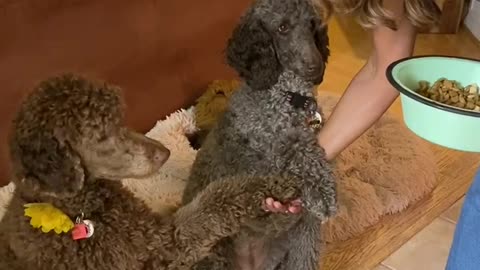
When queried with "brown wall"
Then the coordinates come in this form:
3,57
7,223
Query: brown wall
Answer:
162,52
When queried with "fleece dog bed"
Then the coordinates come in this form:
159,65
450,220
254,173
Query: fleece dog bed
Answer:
383,172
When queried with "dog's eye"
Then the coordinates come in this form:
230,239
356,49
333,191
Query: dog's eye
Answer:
283,28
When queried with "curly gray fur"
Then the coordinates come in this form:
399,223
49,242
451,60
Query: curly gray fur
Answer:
278,35
262,134
279,45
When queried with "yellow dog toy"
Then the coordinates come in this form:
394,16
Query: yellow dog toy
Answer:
46,217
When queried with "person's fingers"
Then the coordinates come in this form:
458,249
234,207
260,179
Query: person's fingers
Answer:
267,204
294,209
273,206
277,205
277,210
296,202
270,205
273,209
269,201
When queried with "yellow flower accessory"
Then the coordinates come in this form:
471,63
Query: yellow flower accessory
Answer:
47,217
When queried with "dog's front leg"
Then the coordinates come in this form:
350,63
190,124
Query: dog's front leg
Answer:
307,161
221,210
320,194
304,242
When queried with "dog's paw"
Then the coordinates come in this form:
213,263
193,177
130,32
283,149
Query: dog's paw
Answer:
322,205
283,189
267,191
322,210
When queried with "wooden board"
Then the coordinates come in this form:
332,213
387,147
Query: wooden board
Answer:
456,170
452,15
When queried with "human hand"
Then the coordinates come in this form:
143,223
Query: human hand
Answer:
293,207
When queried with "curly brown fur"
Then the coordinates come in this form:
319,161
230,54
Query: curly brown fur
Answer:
69,148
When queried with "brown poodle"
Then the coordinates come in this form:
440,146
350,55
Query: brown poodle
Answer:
69,148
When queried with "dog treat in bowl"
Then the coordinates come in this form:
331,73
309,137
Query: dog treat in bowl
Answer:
450,92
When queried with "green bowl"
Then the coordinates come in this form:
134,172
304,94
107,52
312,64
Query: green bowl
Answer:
441,124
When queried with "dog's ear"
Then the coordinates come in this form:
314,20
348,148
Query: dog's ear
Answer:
251,52
322,40
44,163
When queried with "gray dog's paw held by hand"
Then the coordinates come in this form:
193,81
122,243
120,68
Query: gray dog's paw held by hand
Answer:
324,207
281,189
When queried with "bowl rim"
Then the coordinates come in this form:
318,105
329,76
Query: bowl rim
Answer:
419,98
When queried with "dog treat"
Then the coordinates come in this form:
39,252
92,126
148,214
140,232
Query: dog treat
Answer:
450,92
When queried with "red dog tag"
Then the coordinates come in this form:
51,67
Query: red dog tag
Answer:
80,231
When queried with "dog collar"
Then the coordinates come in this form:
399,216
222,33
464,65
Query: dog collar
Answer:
46,217
298,101
309,104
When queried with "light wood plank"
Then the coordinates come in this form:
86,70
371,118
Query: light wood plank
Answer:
371,248
452,15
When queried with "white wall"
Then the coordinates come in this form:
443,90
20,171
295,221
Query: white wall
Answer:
473,19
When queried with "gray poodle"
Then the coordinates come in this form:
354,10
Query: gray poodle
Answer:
270,127
70,148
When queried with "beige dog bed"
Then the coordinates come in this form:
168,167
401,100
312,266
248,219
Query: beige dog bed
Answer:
383,172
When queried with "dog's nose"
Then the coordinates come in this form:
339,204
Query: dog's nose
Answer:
314,73
160,154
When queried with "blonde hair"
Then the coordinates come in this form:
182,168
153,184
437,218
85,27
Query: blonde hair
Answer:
371,13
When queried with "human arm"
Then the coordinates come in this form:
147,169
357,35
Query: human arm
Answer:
369,94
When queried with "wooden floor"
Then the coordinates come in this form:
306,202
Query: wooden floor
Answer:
350,46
